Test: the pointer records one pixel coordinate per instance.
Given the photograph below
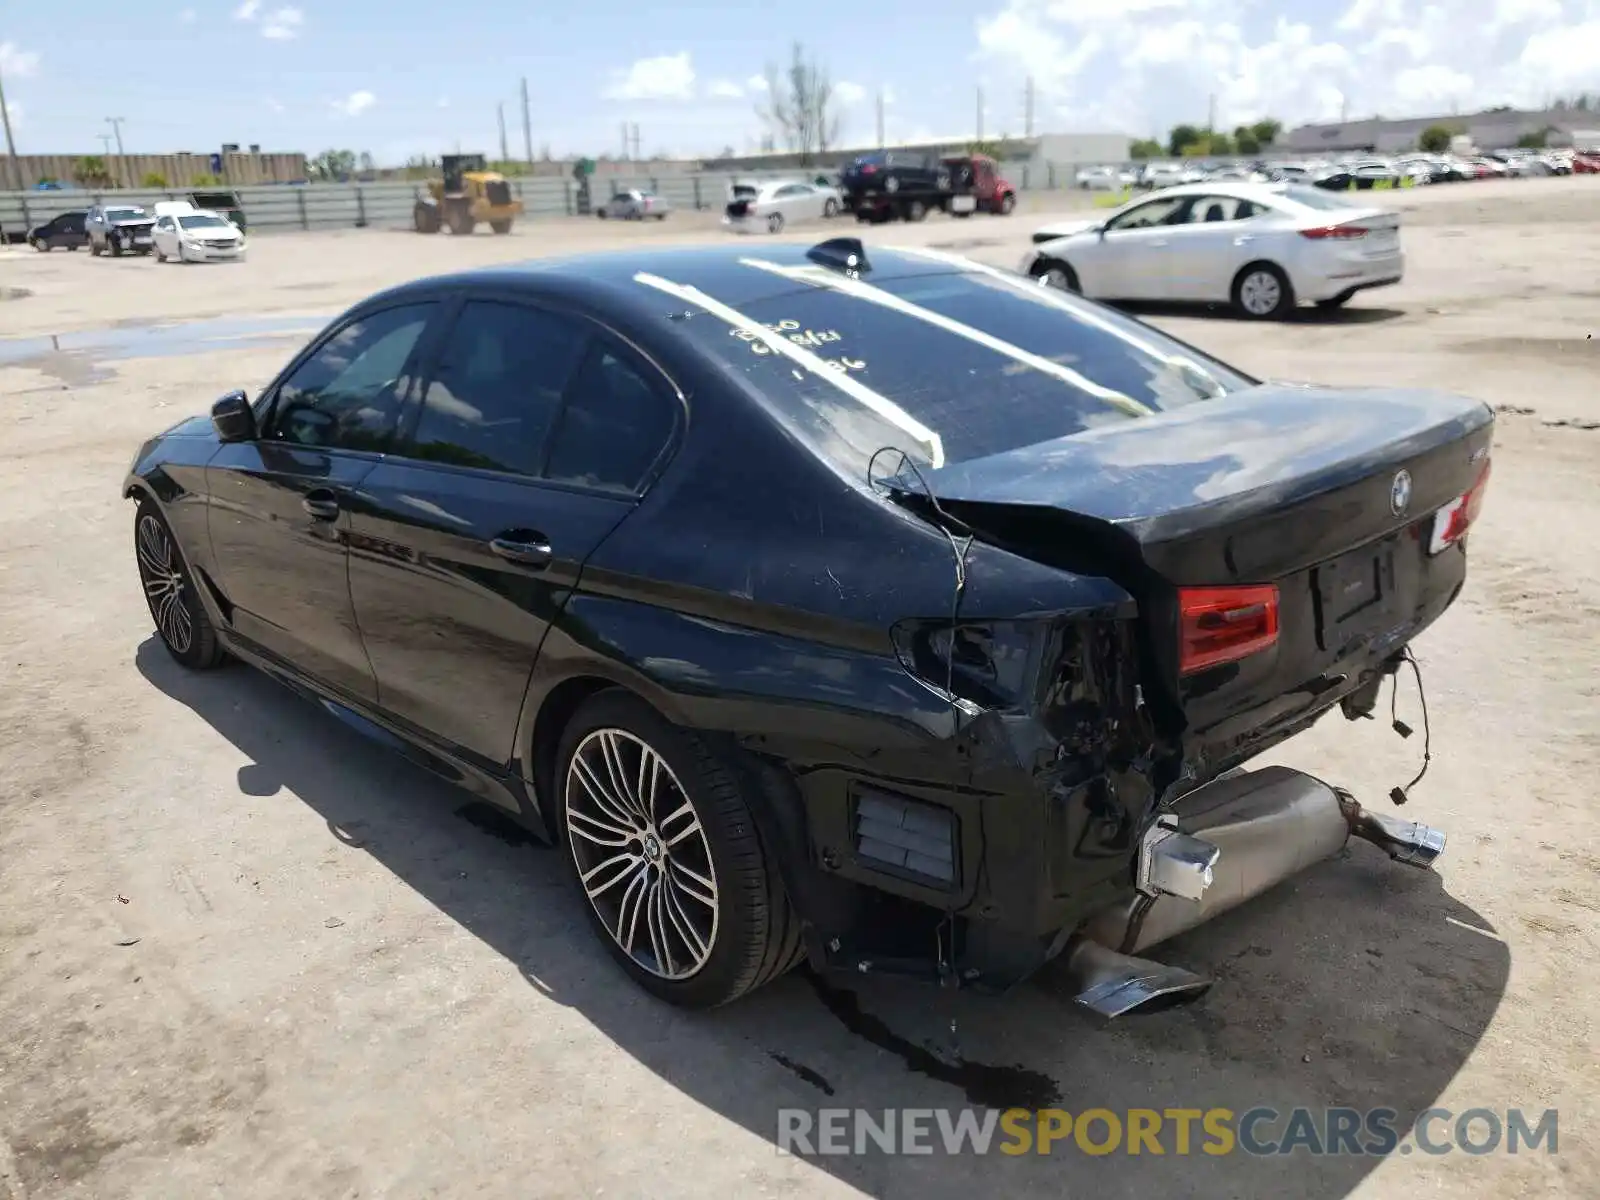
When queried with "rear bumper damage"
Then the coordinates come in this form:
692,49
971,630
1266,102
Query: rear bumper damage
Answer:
1213,849
1217,848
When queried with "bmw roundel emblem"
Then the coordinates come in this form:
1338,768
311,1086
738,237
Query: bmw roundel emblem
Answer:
1400,492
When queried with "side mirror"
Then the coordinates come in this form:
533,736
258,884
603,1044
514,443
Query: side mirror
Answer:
234,419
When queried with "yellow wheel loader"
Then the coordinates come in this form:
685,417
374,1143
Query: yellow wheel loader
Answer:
468,193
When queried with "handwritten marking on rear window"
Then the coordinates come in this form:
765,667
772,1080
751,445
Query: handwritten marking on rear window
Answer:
800,337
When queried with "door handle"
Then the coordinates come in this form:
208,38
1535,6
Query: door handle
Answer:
1244,239
321,505
1159,242
531,553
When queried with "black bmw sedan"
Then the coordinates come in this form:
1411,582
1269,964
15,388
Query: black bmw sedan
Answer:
853,604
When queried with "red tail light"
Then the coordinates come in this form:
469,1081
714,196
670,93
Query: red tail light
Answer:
1450,523
1219,625
868,169
1338,232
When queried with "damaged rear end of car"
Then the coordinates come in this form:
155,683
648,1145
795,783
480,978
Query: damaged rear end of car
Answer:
1159,568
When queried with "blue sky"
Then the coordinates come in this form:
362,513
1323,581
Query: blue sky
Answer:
397,78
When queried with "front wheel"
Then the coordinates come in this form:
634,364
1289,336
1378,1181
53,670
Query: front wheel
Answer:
116,247
170,592
775,223
830,208
159,254
1008,202
916,210
42,246
1051,273
665,854
500,226
1262,292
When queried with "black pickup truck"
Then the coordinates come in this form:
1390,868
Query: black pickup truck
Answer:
907,184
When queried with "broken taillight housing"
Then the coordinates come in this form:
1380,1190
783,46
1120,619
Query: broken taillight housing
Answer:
1337,232
1219,625
1450,523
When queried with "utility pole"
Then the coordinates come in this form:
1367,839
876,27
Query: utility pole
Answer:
527,126
122,158
1027,108
636,155
11,146
1344,108
105,141
505,150
1211,113
880,119
980,114
627,143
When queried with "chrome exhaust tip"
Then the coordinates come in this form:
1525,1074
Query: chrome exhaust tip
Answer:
1409,842
1110,984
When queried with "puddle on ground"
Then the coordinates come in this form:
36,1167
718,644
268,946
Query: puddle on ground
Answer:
152,339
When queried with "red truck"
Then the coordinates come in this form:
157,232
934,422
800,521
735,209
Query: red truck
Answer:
978,176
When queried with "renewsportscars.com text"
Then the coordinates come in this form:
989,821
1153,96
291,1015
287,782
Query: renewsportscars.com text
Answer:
1176,1131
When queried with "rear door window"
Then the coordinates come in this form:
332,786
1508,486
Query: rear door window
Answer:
492,400
618,418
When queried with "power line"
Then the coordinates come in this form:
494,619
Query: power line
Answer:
11,146
122,158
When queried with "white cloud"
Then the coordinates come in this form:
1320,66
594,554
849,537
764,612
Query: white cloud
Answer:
247,11
724,89
282,24
275,105
444,102
355,103
757,83
186,17
1141,66
888,96
849,94
665,77
17,63
18,115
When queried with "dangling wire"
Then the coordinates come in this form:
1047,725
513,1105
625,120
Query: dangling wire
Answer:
960,549
1401,794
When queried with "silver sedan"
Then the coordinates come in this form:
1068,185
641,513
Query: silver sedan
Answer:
635,205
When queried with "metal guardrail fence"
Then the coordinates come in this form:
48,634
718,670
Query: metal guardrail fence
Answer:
354,205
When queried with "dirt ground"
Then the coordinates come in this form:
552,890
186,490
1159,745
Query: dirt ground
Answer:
243,953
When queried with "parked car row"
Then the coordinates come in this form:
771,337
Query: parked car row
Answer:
181,230
1348,173
1263,248
196,228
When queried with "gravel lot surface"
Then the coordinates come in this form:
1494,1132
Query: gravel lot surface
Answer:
243,953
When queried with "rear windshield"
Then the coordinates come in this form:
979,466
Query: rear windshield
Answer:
952,367
126,214
214,200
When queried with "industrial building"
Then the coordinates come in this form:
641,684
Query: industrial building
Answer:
1490,129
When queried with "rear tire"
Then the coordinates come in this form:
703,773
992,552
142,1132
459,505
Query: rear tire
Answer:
1262,292
500,226
830,209
916,211
648,855
171,592
775,223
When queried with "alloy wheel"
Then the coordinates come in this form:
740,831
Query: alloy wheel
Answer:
641,853
164,585
1260,293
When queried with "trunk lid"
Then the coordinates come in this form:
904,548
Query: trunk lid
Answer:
1323,497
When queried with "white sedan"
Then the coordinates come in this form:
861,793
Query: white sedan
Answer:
1263,248
771,206
1105,179
196,236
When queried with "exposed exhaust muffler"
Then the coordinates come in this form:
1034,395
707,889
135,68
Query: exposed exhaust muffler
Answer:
1218,847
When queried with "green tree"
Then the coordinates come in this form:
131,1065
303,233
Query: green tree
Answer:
153,179
1266,131
1245,140
206,179
1218,143
90,171
1181,136
800,107
332,165
1435,139
1534,141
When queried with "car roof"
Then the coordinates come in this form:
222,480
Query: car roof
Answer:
607,279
